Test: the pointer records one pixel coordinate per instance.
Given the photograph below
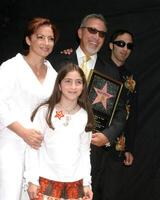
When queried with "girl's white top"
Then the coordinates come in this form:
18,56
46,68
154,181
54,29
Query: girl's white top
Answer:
65,152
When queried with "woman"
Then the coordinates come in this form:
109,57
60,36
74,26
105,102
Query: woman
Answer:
25,81
60,169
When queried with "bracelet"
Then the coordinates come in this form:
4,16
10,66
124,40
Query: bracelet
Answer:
107,144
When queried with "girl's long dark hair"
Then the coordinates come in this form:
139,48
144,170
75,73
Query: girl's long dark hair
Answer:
56,96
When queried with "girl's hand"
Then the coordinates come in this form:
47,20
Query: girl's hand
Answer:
88,194
32,191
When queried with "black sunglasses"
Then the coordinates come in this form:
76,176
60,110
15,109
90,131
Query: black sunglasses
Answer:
121,43
91,30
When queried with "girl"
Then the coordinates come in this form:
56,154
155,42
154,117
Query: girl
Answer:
60,169
25,82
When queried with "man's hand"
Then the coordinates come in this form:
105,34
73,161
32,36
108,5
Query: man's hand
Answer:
99,139
67,51
128,159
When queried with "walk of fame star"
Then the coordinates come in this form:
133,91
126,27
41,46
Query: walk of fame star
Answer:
102,96
59,114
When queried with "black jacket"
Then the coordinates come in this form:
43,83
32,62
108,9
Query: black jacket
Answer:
129,94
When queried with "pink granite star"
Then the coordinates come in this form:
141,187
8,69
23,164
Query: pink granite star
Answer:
102,96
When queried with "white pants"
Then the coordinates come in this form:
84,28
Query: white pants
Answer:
12,153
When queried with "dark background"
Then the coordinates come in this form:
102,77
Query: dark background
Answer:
142,17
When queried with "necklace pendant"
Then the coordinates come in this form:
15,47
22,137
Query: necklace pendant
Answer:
65,123
67,119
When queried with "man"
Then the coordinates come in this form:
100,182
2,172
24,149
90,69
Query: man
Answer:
112,178
121,46
91,33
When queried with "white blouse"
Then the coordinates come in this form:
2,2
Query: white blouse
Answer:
65,152
21,92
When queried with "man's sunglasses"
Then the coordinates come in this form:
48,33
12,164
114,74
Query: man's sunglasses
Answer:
91,30
121,43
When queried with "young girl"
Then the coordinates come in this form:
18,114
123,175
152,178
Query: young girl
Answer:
60,169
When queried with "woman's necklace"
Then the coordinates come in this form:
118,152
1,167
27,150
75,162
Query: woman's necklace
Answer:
66,113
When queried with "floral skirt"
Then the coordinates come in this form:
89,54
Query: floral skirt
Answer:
54,190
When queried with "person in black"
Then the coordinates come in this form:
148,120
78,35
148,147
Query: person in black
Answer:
112,180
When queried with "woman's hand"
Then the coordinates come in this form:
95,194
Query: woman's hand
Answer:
30,136
33,138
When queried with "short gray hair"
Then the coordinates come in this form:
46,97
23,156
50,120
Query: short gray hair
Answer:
93,16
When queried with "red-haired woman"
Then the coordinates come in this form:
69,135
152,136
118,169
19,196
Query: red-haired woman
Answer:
25,81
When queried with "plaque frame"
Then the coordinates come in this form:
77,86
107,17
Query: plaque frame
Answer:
97,83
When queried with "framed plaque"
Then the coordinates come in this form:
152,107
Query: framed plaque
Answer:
104,93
